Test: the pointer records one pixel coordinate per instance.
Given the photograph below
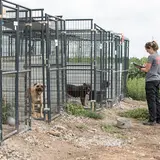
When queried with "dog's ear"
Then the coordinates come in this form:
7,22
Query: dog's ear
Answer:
84,84
35,84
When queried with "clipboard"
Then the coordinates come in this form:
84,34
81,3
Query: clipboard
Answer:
137,65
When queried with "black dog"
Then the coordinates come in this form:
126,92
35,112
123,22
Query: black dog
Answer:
78,91
105,84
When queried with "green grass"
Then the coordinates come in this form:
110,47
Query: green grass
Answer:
116,132
138,113
109,128
78,110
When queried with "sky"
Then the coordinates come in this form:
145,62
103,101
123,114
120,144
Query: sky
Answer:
137,19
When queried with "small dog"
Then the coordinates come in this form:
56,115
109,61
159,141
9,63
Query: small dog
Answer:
36,93
105,84
79,91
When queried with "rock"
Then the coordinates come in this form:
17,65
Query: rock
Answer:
60,128
55,133
11,121
47,146
123,123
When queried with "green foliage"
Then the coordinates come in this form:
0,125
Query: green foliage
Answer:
7,110
133,71
136,88
110,128
138,113
78,110
80,59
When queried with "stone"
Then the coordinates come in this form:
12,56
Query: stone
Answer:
124,123
55,133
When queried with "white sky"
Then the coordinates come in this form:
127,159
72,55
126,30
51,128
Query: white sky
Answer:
136,19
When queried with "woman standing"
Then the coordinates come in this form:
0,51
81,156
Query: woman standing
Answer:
152,69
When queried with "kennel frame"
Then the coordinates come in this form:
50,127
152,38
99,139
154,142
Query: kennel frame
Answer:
103,44
17,24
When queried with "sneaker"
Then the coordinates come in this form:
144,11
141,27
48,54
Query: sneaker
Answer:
158,120
149,123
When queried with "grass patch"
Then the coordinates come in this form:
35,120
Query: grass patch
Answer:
109,128
138,113
118,133
78,110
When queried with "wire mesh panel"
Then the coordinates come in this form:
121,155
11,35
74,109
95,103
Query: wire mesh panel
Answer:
15,75
79,58
38,59
94,57
56,62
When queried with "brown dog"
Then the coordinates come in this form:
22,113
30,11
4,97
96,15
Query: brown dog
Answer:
36,93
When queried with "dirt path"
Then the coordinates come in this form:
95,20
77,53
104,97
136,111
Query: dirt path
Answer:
76,138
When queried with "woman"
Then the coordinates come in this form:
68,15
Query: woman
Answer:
152,68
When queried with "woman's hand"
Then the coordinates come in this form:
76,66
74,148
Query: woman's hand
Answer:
146,68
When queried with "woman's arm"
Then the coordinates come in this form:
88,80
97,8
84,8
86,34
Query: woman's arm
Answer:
146,68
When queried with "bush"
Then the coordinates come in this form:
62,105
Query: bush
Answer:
133,71
138,113
7,110
78,110
136,88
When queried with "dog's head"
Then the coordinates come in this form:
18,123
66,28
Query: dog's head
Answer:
86,88
39,88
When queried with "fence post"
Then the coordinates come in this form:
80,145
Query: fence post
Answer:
57,65
30,38
47,110
16,24
1,20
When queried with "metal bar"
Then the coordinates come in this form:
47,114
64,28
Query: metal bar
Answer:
101,73
10,11
109,61
25,66
57,65
62,63
9,8
38,9
95,64
29,67
65,60
112,52
43,60
77,30
79,19
15,4
57,18
92,55
48,112
116,67
17,69
55,69
1,33
10,134
14,72
78,65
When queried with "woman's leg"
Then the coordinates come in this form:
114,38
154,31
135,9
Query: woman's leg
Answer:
151,100
158,103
